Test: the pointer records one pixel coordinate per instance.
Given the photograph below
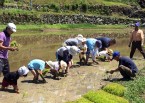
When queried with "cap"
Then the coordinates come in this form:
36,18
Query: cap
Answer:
99,44
12,26
137,24
50,63
115,54
63,65
74,50
23,70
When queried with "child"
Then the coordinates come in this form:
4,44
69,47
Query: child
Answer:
55,68
105,54
36,67
12,77
83,50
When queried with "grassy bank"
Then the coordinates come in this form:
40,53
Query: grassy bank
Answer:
58,29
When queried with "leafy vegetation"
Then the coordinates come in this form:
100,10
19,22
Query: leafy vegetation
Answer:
115,88
101,96
81,100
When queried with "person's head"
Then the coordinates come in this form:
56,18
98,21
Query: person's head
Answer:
137,24
23,71
63,65
98,44
11,28
82,41
116,55
74,50
110,51
80,36
112,42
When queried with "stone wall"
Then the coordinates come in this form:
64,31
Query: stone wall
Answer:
62,19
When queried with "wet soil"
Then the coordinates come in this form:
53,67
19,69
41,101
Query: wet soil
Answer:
78,82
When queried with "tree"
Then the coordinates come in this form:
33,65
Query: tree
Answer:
2,2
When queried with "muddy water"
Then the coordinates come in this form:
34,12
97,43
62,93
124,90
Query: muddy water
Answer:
46,51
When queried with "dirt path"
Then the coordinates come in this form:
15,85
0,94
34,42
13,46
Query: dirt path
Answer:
80,80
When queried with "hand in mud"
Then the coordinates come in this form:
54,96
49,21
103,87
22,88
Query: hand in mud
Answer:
111,71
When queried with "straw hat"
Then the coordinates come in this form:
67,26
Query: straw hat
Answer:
50,63
63,65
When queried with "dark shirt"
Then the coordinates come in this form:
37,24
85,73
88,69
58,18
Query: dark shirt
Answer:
12,77
128,63
105,41
66,56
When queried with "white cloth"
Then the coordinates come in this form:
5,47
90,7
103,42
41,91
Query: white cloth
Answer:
103,53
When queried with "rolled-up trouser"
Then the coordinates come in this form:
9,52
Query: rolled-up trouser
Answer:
4,66
126,72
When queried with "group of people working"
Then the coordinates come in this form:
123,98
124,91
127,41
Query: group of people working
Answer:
85,47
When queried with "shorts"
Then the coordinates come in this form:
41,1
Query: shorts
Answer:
6,83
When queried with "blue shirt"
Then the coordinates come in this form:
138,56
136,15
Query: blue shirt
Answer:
105,41
128,63
90,42
36,64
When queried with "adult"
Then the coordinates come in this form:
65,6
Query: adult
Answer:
66,54
136,40
93,46
5,39
73,41
126,66
36,66
106,42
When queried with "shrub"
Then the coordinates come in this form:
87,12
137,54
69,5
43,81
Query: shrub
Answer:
115,89
103,97
81,100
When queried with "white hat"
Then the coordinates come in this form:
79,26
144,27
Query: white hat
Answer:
63,65
80,36
12,26
23,70
50,63
110,51
74,50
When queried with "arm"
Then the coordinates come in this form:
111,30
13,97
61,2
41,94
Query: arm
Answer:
131,39
7,48
112,71
142,38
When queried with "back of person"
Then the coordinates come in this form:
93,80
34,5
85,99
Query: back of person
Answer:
61,50
105,41
128,63
71,42
36,64
90,42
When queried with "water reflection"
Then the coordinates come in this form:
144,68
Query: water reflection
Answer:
46,51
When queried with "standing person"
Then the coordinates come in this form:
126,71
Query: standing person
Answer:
36,66
93,48
136,40
11,78
5,38
126,66
106,42
66,54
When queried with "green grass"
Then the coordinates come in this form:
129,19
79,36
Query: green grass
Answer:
135,89
101,96
115,88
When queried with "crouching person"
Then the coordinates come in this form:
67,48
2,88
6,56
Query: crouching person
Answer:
12,77
126,67
36,67
66,54
105,55
56,68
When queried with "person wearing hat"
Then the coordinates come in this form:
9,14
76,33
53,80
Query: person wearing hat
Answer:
36,66
55,68
73,41
136,40
11,78
66,54
106,42
105,54
5,38
93,49
83,50
126,67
